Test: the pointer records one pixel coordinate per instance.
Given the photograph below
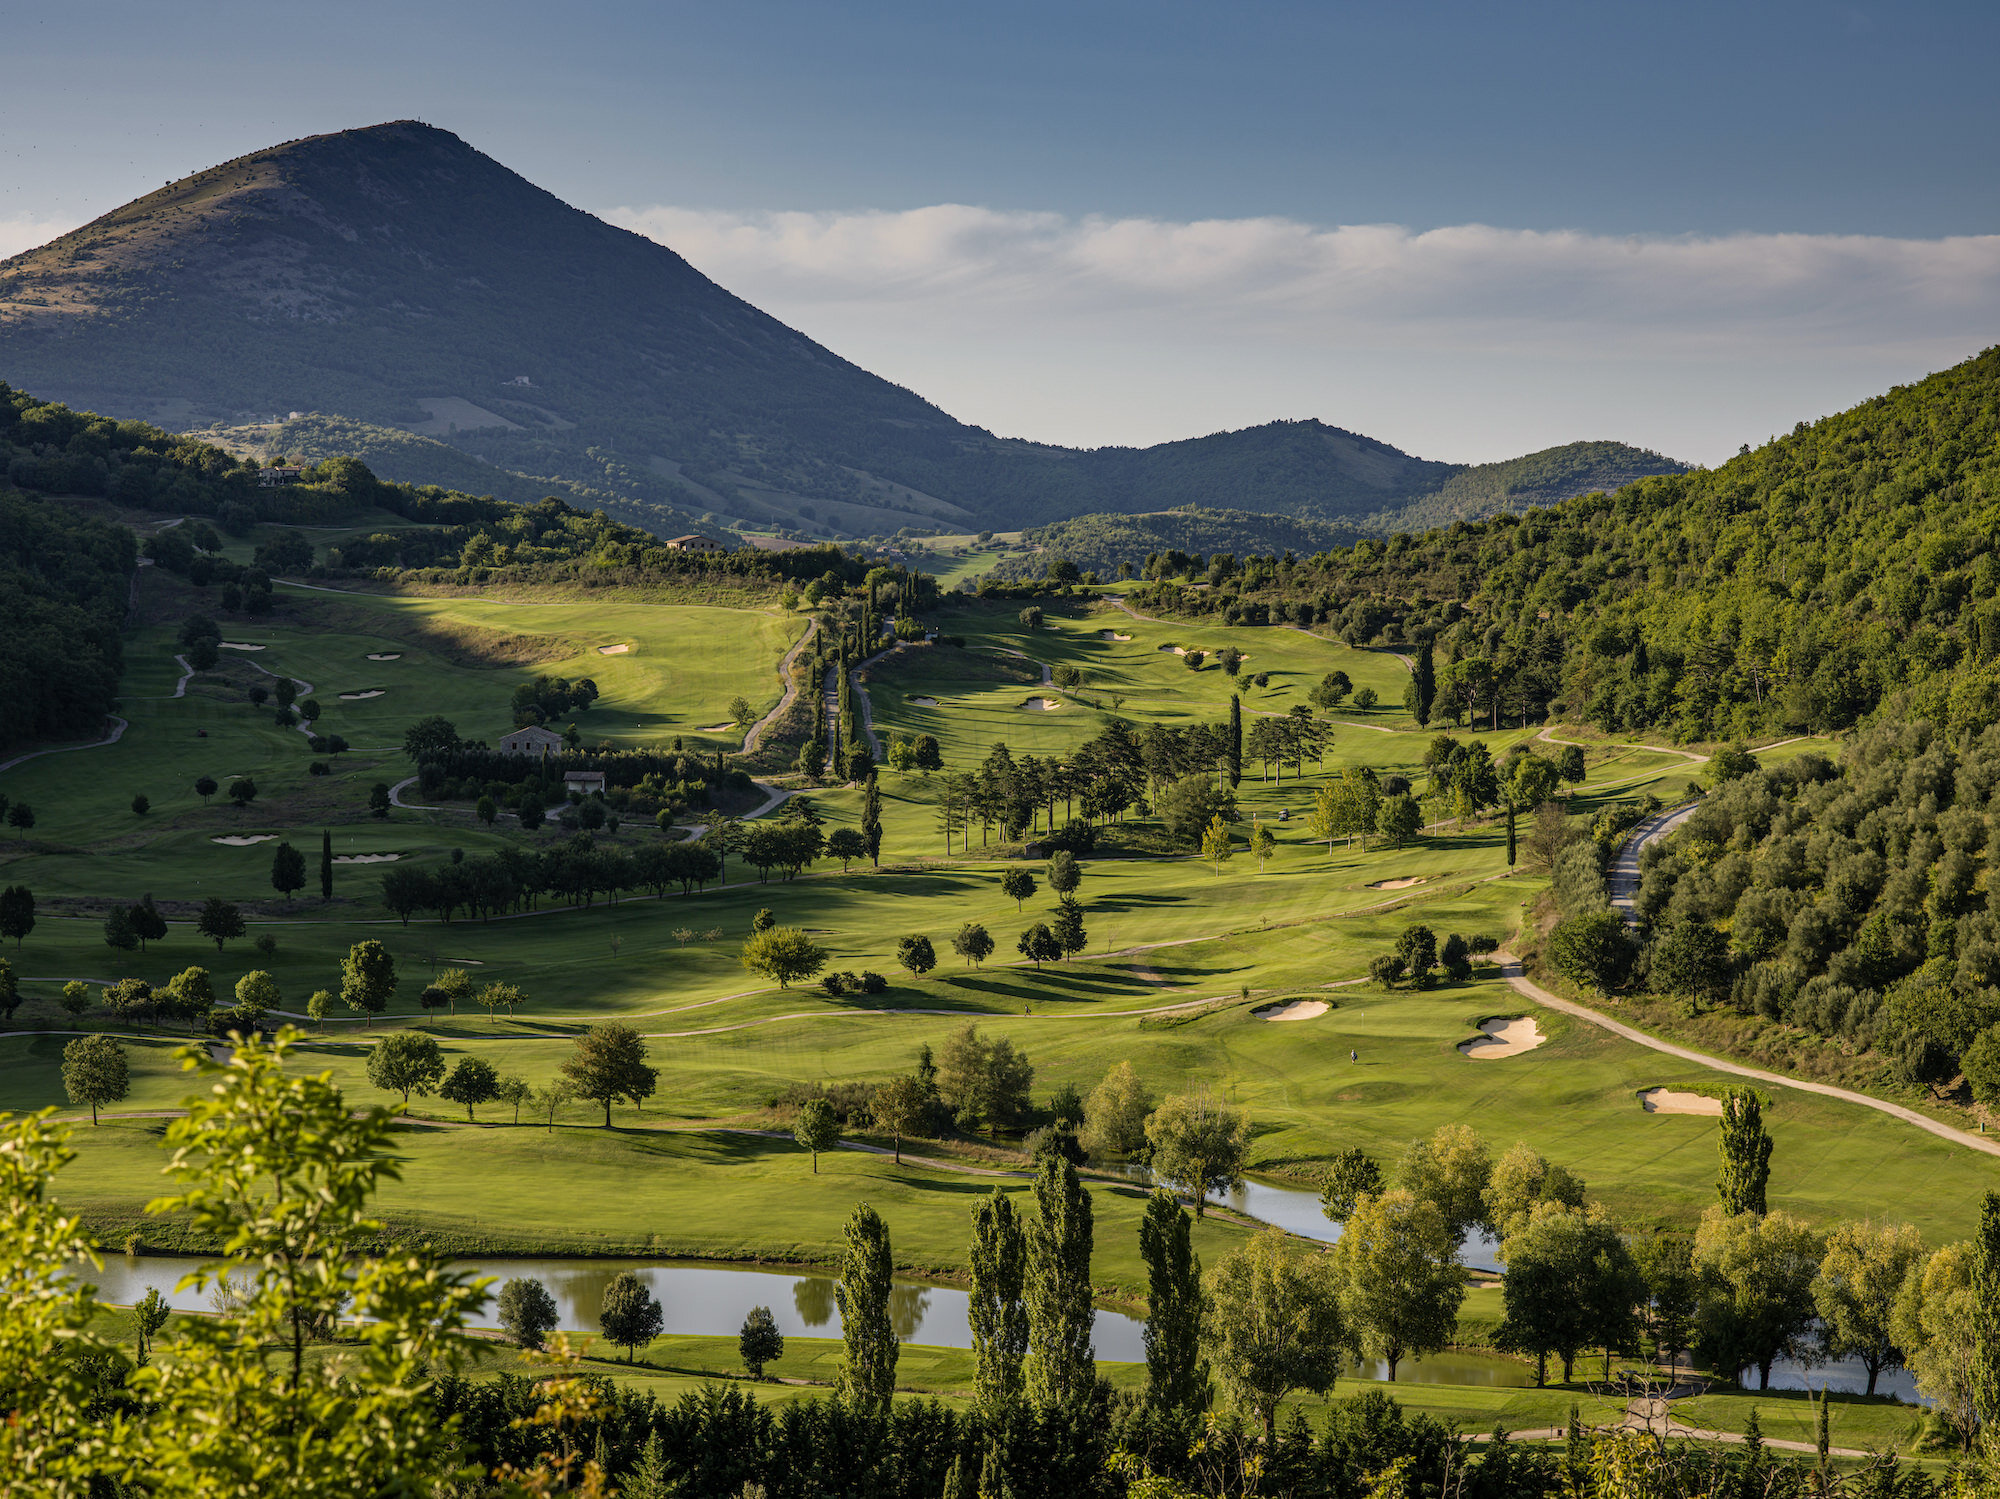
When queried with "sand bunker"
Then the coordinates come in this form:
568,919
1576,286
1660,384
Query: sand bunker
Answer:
355,697
1176,649
714,728
924,702
1503,1038
1297,1009
1112,635
238,645
1402,884
1667,1101
1041,705
244,840
468,962
385,655
366,858
613,650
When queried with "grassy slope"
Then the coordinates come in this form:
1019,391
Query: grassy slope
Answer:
726,1042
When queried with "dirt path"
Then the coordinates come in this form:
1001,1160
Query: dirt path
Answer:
1510,969
754,735
112,735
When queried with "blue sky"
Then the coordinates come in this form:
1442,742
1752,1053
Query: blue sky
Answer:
1125,222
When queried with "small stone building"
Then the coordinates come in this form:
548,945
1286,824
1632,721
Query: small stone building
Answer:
533,740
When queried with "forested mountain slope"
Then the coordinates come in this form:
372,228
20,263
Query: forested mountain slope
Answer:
1794,588
397,278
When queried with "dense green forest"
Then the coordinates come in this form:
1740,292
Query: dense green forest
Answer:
63,584
1795,588
394,277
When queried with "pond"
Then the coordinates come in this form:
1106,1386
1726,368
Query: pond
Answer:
1297,1211
712,1300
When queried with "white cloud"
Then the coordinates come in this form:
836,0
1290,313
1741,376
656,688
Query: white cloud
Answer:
26,231
1098,329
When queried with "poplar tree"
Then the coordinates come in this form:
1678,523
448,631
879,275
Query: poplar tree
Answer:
1061,1364
1425,683
1746,1153
868,1366
326,866
1176,1373
1986,1314
997,1314
1235,754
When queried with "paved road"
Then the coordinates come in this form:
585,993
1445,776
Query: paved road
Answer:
112,735
755,734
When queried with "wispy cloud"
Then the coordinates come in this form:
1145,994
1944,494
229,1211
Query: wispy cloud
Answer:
1327,311
1274,276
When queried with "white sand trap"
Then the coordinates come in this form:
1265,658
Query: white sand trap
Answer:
1298,1009
1667,1101
924,702
714,728
238,645
1503,1038
385,655
613,650
1178,650
1041,705
1402,884
244,840
468,962
366,858
355,697
1113,635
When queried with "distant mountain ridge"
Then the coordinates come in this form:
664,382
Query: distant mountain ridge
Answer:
395,277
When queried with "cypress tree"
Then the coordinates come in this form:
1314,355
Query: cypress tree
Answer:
871,818
1746,1153
1061,1365
325,865
1510,835
868,1366
1426,683
1176,1373
1236,740
998,1317
1986,1314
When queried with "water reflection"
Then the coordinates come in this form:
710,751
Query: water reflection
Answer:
812,1299
712,1300
1298,1211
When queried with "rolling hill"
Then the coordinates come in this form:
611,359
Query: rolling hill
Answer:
399,281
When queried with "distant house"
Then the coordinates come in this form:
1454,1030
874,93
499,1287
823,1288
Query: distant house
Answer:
533,740
279,474
695,544
584,781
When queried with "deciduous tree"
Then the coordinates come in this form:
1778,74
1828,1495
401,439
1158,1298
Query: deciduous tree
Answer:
868,1335
472,1082
527,1311
94,1072
816,1128
406,1062
1855,1291
1114,1115
1061,1364
1745,1147
1176,1308
628,1314
759,1342
367,978
1274,1323
998,1260
1401,1286
973,943
219,921
1198,1145
784,953
609,1063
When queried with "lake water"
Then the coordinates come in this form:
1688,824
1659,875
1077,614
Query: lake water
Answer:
1297,1211
712,1300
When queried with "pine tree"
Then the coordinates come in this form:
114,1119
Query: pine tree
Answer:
326,866
999,1318
1176,1373
1061,1365
868,1366
1236,740
1746,1153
